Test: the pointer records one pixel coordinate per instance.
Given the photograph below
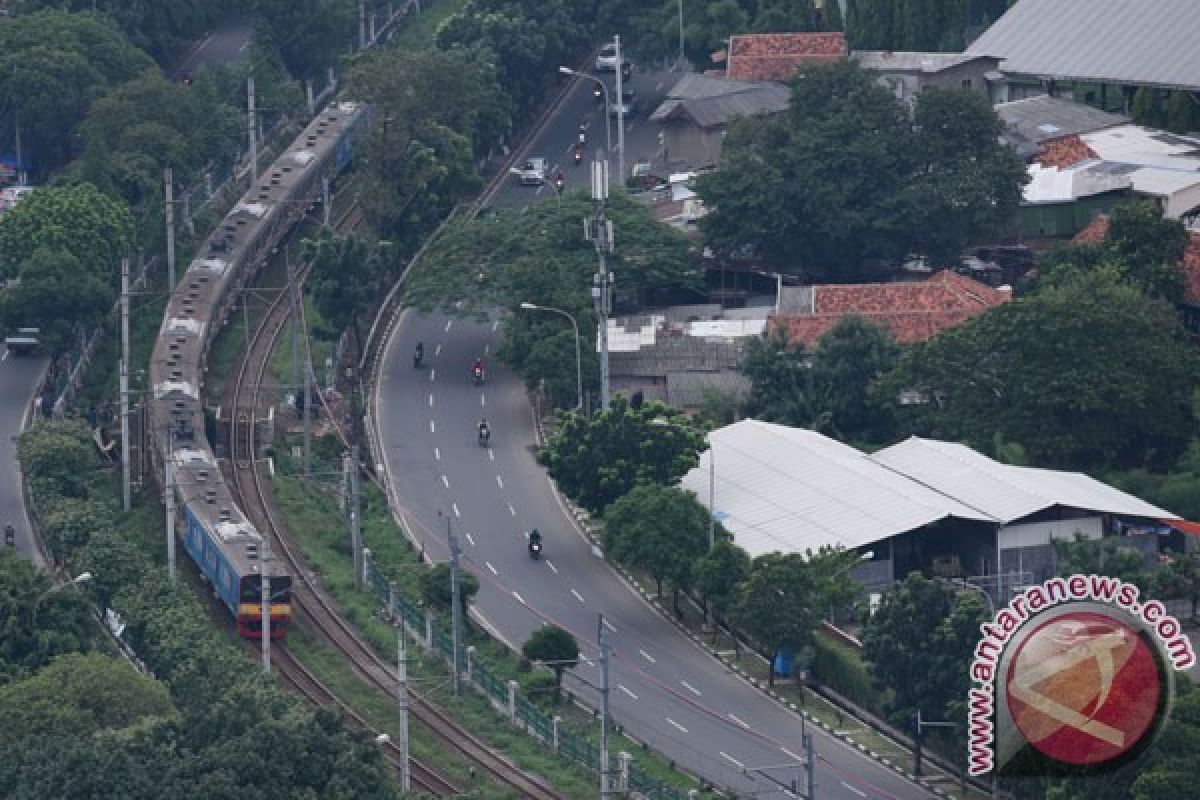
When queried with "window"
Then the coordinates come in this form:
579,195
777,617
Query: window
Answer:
966,83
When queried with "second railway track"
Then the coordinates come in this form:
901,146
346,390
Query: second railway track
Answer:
248,484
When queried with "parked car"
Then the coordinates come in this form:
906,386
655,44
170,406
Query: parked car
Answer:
533,171
606,61
628,105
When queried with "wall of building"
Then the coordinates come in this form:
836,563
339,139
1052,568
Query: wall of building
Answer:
688,142
1066,219
1042,532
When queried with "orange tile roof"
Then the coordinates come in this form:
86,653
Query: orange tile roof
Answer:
1065,152
775,56
1095,231
911,312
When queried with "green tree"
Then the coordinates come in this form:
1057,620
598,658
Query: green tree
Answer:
78,220
1086,374
661,529
52,65
36,624
1083,556
57,295
779,602
851,356
437,592
1182,114
594,460
1147,108
69,524
782,388
844,179
918,644
718,574
345,277
58,456
309,35
554,646
81,694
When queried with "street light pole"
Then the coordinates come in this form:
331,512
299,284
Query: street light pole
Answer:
681,60
620,115
402,699
600,231
578,354
602,639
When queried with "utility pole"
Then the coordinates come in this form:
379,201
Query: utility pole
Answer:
600,231
355,525
402,700
170,501
456,606
362,24
307,407
681,58
326,210
293,305
265,571
920,726
810,766
620,121
712,495
251,131
602,638
126,500
169,195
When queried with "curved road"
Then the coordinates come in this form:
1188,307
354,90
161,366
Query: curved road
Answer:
665,689
19,378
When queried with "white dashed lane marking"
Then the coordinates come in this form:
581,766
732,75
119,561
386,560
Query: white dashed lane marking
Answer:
432,427
856,791
454,506
738,721
432,374
471,539
493,569
449,322
626,691
793,756
499,482
732,760
437,351
690,688
495,325
483,399
578,596
431,399
553,568
512,510
609,625
445,482
648,657
437,454
520,599
677,725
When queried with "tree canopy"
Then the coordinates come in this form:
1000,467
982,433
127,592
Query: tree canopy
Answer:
556,647
779,602
594,460
718,573
57,295
345,278
846,177
1085,374
661,529
309,35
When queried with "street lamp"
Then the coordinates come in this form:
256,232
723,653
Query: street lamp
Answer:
607,108
578,357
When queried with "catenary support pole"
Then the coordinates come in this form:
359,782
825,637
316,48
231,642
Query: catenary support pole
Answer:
355,521
169,202
456,605
599,230
295,314
251,131
602,637
170,503
126,499
620,116
402,699
265,571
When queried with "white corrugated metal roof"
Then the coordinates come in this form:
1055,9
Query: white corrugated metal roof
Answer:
1149,42
790,489
1147,147
1003,491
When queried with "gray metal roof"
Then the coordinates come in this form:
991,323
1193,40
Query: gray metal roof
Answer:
709,101
1142,42
688,389
1003,491
931,63
1037,119
781,489
675,353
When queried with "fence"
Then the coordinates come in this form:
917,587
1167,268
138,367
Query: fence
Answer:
518,708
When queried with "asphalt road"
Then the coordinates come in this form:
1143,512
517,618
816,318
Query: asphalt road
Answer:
18,382
665,689
556,140
226,45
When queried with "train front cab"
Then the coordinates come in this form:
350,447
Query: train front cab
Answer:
249,616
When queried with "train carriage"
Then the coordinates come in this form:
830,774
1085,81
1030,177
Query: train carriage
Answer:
216,534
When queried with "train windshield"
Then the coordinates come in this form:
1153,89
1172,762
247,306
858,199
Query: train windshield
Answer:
281,589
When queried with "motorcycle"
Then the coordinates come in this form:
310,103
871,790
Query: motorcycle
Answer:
578,154
418,357
477,376
535,547
485,436
10,536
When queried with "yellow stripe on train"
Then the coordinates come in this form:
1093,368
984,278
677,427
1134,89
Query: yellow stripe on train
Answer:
255,609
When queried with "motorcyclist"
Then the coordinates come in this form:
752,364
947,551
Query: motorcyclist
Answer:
535,544
484,430
419,354
535,537
10,536
578,153
477,369
582,133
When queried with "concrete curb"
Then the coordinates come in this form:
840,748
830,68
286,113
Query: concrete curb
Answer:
583,520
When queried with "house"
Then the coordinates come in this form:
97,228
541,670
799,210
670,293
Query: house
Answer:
678,354
1044,43
698,109
911,311
759,57
1034,122
938,507
907,73
1161,166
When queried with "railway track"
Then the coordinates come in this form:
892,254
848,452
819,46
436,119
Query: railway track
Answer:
247,483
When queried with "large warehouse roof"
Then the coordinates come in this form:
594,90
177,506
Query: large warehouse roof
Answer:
782,489
790,489
1003,491
1137,42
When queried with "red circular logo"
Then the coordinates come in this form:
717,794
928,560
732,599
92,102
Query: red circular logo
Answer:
1084,688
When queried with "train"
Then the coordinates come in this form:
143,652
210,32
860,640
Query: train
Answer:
216,534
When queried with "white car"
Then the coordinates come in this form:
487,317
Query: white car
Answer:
533,171
606,61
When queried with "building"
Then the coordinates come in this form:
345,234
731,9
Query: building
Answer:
678,354
911,311
1044,43
937,507
758,57
1034,122
907,73
698,109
